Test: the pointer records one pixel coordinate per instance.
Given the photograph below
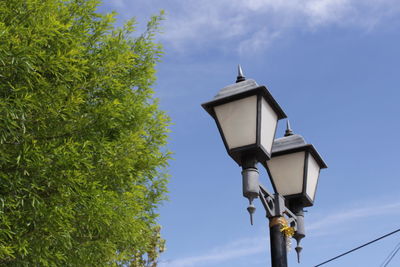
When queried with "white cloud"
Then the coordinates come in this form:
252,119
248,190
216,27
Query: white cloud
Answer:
233,250
202,24
328,11
234,24
259,41
251,246
344,216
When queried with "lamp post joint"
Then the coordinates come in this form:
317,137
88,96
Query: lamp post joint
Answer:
276,210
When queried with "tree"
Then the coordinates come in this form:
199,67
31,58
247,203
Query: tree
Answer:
82,139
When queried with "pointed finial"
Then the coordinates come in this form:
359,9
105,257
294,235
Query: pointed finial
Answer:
251,210
240,77
289,131
298,250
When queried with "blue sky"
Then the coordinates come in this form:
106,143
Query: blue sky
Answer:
334,67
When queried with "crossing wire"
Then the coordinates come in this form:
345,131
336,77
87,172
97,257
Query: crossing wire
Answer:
357,248
390,257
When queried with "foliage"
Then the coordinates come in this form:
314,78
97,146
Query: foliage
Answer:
82,157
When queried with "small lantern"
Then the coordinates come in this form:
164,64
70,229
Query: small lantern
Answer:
246,115
294,169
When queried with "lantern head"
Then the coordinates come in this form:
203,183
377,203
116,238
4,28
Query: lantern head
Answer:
246,115
294,169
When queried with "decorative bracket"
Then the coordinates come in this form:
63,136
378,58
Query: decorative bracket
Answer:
274,205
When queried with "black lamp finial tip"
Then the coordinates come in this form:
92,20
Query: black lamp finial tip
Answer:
298,250
289,130
240,77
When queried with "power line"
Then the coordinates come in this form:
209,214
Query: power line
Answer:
391,255
354,249
384,263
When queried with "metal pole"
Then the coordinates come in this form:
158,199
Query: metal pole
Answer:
278,243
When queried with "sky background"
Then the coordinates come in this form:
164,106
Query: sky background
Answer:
334,67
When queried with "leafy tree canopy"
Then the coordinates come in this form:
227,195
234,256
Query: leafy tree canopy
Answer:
82,157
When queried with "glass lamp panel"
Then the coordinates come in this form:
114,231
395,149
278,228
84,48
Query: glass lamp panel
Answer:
312,177
269,120
287,172
238,121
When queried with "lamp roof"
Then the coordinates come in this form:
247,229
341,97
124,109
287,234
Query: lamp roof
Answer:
242,88
291,143
236,88
288,142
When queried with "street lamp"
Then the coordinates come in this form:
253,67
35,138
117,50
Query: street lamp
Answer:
294,168
294,171
246,115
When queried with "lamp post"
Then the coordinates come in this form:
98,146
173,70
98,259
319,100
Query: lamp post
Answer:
247,115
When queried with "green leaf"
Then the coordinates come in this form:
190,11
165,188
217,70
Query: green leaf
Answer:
83,157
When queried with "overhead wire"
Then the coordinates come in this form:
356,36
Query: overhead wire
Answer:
391,255
357,248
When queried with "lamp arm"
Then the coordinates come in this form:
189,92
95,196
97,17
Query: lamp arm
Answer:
267,199
274,205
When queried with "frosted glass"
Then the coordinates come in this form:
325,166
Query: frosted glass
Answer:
287,172
312,177
238,120
269,120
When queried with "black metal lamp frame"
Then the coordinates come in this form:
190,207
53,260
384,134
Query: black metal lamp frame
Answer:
239,154
301,198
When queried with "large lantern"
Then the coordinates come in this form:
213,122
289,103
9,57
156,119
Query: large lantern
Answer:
294,169
246,115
